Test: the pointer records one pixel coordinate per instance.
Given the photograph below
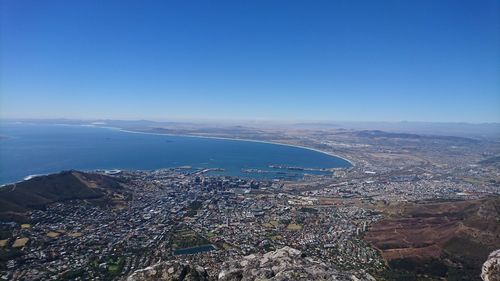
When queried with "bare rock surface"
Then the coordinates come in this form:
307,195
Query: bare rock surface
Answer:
170,271
491,267
283,264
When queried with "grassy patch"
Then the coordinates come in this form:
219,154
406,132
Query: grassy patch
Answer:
274,223
21,242
185,238
276,237
53,234
115,266
294,226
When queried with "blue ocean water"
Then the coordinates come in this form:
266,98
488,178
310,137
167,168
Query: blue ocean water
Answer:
40,149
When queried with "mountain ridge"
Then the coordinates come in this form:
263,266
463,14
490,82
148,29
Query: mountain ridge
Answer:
37,192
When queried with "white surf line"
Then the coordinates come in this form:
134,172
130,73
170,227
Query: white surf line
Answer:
233,139
195,136
209,137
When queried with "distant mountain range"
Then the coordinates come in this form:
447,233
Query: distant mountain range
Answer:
480,130
459,129
382,134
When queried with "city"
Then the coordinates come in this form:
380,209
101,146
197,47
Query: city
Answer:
262,140
194,217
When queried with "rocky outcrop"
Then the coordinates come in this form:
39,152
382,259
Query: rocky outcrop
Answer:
170,271
283,264
491,267
280,265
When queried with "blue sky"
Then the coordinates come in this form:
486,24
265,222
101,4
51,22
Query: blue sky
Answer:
425,60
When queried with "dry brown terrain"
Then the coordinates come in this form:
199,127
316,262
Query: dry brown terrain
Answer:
453,233
423,230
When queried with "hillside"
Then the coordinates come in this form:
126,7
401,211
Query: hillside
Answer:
35,193
445,239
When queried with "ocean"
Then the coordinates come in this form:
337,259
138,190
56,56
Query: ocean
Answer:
32,149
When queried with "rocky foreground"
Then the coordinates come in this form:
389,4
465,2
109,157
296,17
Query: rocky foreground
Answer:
491,268
283,264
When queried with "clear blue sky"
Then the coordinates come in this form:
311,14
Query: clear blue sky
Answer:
421,60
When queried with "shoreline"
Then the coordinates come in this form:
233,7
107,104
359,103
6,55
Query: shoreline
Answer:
234,139
193,136
211,137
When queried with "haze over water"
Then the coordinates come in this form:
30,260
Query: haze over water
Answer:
40,149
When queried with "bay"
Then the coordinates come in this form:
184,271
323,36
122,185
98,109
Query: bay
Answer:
28,149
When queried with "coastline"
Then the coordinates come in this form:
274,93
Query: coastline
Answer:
234,139
351,163
211,137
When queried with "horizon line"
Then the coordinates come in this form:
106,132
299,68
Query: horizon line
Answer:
236,121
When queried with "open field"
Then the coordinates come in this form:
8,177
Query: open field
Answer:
294,226
21,242
186,238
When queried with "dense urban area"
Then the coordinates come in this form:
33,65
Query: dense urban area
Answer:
411,207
